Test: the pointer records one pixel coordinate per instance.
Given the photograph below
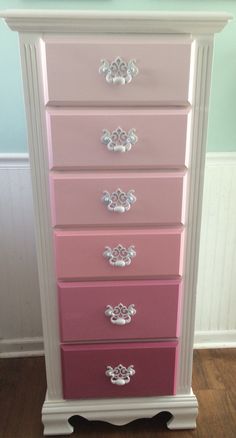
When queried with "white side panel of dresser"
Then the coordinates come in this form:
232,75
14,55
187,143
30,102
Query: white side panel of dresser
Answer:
33,92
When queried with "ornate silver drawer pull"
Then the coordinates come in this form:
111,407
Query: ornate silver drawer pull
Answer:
119,140
120,375
119,201
120,314
118,71
120,256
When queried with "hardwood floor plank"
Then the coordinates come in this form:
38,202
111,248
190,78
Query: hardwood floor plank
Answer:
199,380
227,367
209,370
23,386
216,419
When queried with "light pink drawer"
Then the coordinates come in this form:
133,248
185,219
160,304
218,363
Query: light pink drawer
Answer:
130,198
153,373
161,138
71,67
111,253
119,310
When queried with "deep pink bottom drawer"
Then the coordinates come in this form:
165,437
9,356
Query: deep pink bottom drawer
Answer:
84,370
154,314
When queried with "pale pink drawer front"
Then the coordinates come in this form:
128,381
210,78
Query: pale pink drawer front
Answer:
144,198
80,254
72,70
119,310
75,138
84,368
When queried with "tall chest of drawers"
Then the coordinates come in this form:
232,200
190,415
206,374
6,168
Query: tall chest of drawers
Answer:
117,112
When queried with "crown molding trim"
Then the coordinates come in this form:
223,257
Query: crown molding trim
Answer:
115,21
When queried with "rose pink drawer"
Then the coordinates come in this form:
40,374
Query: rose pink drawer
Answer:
117,199
160,138
119,310
118,253
100,70
119,370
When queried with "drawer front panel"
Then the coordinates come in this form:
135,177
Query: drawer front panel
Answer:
101,310
80,255
73,78
84,367
108,199
75,138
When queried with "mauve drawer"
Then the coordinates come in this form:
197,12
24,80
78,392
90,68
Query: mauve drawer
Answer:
75,138
144,198
84,369
80,254
71,68
154,314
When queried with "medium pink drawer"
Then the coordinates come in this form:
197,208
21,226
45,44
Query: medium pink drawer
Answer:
161,138
131,199
71,67
153,373
119,310
111,253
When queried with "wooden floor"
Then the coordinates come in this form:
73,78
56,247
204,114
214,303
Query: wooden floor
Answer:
23,385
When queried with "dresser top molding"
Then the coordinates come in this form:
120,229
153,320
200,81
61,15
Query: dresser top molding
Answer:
53,21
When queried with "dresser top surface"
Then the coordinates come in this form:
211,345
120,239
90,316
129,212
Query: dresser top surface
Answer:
130,21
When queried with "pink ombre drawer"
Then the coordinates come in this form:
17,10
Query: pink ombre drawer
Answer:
132,198
119,310
75,138
80,254
84,369
71,67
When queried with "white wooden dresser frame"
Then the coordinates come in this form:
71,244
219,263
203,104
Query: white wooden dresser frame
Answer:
32,25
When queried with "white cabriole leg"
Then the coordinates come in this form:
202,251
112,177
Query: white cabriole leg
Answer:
183,419
56,424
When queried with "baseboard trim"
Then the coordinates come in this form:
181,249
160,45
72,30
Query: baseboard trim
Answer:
26,347
22,347
215,339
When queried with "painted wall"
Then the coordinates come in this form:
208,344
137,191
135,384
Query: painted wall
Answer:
222,120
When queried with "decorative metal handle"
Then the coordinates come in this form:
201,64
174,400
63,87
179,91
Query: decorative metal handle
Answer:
119,201
119,140
118,72
120,375
120,256
120,314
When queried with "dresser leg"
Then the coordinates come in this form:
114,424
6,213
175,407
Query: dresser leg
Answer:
56,424
183,419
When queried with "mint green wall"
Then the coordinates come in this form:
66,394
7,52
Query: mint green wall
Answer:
12,115
222,119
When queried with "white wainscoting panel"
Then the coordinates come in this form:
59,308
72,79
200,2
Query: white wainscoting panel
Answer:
20,315
216,297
